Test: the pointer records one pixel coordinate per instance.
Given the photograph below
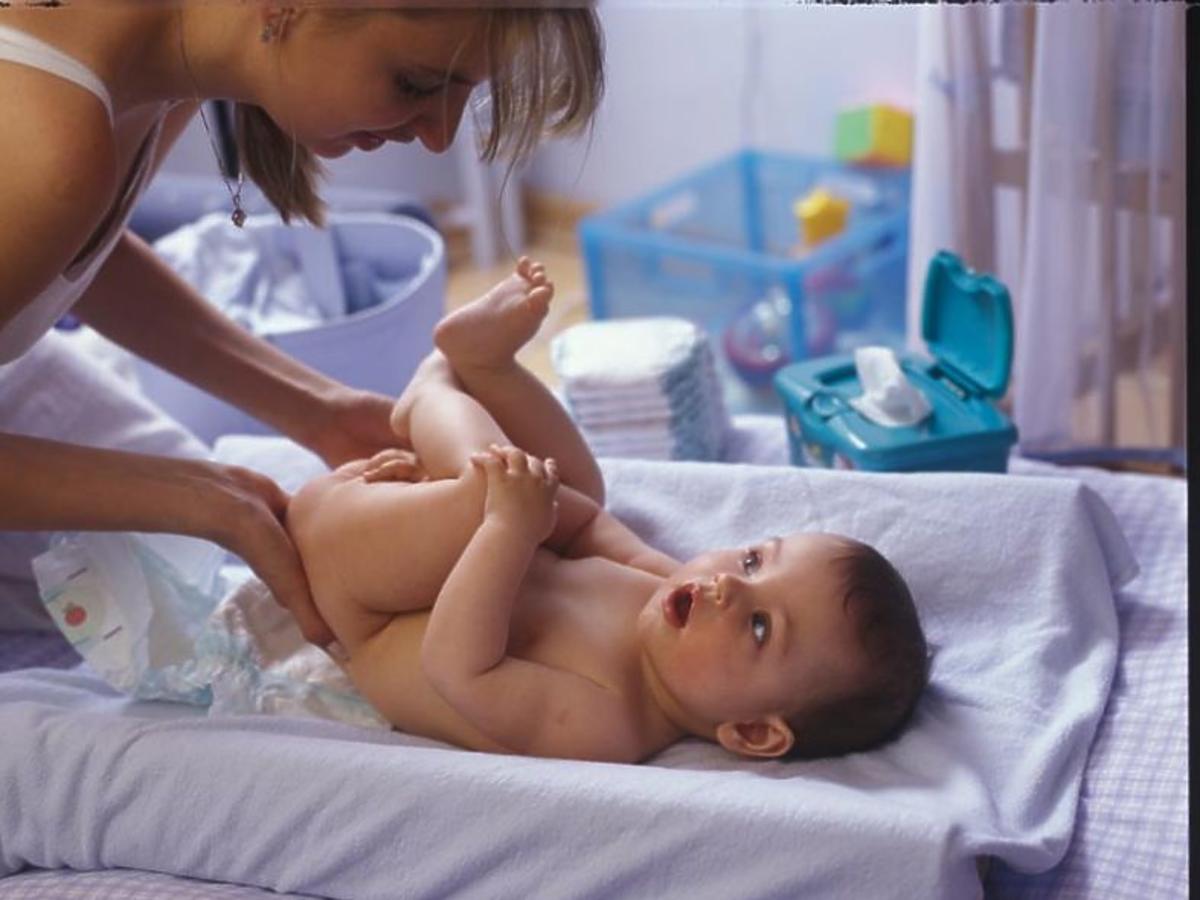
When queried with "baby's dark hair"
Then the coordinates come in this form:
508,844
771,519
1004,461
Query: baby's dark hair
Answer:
876,709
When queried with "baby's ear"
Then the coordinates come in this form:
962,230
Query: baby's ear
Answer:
767,737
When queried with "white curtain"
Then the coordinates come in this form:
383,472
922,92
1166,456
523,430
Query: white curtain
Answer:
1072,114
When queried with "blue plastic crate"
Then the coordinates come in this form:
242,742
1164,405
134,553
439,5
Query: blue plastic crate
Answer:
715,243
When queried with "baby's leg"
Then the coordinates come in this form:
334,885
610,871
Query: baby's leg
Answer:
481,340
444,423
374,550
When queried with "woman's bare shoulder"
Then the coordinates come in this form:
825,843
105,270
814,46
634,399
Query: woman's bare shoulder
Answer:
57,181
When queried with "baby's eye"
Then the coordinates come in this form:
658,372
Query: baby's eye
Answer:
760,626
751,561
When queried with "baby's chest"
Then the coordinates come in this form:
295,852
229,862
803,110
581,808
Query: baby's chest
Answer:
575,616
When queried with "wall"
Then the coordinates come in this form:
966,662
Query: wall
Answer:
686,84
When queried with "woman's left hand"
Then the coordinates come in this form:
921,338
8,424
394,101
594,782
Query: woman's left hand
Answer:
353,425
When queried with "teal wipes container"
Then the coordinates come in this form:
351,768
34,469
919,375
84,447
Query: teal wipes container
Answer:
966,320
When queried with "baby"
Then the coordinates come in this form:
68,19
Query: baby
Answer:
495,605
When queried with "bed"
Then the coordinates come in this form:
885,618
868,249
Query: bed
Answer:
1130,835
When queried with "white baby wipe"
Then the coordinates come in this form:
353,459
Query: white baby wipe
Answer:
889,398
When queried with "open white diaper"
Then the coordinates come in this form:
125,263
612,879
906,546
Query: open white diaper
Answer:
1014,580
165,617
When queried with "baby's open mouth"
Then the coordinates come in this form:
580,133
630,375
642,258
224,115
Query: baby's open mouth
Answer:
677,606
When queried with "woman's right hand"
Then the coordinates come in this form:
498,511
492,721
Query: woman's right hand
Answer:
248,520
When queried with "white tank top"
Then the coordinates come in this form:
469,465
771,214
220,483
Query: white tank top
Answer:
39,316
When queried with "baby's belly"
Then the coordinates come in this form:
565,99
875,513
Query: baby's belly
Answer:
574,615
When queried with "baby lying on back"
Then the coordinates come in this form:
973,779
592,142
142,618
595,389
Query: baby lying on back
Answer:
495,605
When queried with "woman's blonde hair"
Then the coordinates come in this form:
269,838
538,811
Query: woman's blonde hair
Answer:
545,74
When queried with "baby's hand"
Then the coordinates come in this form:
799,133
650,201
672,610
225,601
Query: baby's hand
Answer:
521,490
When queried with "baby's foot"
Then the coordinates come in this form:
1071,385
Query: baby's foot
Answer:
488,332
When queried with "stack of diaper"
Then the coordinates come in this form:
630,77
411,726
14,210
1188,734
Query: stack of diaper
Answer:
644,388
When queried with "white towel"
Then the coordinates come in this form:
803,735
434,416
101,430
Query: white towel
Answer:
623,352
1026,634
643,387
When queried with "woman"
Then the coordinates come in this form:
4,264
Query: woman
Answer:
94,96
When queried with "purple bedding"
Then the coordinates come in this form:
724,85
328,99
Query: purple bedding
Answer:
1131,840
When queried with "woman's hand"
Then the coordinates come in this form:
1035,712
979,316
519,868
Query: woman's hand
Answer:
521,490
352,424
249,512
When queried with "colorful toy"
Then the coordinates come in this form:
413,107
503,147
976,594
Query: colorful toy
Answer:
879,135
821,214
758,341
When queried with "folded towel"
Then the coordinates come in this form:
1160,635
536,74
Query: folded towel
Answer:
617,353
690,375
643,387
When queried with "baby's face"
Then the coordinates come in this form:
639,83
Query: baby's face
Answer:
735,635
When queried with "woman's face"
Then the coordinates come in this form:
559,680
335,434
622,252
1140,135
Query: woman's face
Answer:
376,77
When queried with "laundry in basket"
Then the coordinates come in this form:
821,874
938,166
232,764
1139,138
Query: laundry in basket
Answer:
357,300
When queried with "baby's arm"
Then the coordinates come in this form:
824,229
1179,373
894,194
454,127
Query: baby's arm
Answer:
526,706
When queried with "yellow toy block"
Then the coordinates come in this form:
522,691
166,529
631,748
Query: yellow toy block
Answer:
880,134
821,215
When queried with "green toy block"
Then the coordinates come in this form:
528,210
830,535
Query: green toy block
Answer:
874,134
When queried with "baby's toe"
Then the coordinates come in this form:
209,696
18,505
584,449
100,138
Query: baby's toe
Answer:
539,298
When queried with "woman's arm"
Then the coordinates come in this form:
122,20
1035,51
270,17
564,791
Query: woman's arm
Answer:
139,302
57,179
48,485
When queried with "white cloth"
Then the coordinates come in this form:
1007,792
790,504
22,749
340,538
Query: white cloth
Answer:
39,314
1108,95
254,275
1026,638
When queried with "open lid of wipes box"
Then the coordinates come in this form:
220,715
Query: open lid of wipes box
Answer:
967,324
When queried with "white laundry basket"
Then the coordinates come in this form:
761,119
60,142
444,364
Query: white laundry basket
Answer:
376,347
